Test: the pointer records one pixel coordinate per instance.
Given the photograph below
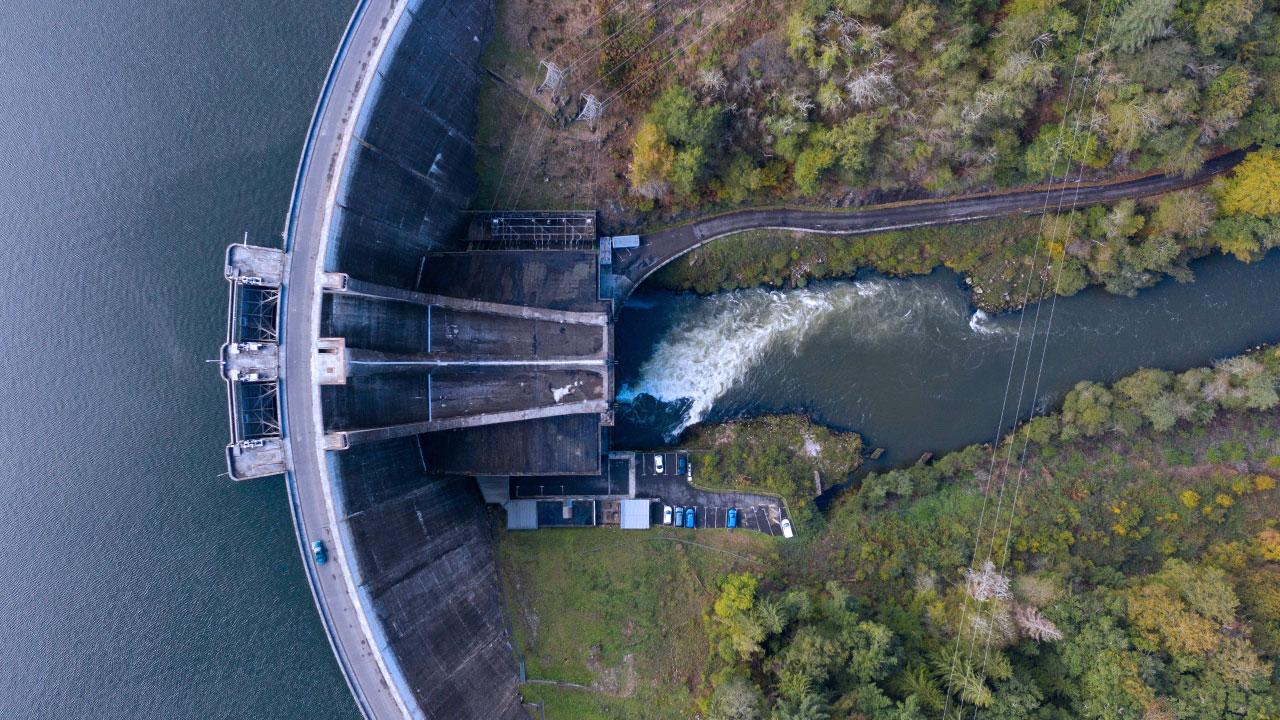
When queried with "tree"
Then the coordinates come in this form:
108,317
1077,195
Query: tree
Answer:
1187,214
1254,188
1221,21
687,171
1015,699
1149,392
808,707
1226,100
652,158
685,122
1058,148
741,179
914,25
810,166
851,141
735,699
1176,150
1239,235
1086,410
1140,22
1123,221
735,632
1157,65
800,36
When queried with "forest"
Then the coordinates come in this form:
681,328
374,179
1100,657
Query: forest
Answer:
1118,558
821,99
1128,567
844,103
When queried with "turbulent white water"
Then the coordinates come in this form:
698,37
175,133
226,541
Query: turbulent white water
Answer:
980,322
716,341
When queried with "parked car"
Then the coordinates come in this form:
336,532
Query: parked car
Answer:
319,553
689,518
732,521
679,516
681,464
786,528
666,514
658,468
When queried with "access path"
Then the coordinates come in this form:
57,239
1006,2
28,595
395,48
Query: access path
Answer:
661,247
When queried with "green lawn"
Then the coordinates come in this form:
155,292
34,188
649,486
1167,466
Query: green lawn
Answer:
619,612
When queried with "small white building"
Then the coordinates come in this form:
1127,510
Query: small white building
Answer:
522,515
635,514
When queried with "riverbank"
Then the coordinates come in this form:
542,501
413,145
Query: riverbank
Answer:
1009,262
784,455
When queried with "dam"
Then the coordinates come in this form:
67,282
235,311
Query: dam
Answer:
397,348
401,360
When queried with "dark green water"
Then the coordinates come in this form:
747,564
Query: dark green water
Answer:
138,140
908,363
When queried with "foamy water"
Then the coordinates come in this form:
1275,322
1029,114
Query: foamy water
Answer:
716,341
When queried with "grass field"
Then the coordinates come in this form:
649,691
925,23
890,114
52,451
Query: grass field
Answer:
620,613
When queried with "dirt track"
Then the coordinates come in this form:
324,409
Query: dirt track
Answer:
661,247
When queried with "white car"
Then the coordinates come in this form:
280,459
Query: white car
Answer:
657,465
666,514
786,528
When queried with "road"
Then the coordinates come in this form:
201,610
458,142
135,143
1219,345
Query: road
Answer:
333,585
661,247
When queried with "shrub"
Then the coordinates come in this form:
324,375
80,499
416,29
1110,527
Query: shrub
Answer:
1190,498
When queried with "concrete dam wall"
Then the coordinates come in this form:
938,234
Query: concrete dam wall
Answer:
411,170
423,546
398,347
420,543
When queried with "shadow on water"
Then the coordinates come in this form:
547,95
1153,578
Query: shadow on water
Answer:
908,363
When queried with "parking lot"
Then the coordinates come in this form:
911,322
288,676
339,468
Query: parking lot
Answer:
761,513
761,518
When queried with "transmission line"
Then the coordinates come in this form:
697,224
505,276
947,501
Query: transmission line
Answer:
1003,477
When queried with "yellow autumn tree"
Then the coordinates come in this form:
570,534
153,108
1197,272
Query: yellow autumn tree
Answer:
1268,546
652,158
1255,187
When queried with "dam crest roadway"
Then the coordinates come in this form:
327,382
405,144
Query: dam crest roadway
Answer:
398,347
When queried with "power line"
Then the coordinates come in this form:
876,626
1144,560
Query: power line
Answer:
582,56
598,107
1008,382
564,72
679,50
1049,327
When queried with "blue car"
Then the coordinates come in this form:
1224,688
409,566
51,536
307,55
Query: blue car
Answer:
681,464
319,553
733,518
688,518
679,516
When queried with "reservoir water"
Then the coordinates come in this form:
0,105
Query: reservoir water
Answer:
907,362
140,138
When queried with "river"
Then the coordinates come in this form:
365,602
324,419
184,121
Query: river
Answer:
907,362
139,139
